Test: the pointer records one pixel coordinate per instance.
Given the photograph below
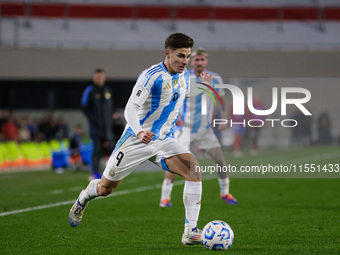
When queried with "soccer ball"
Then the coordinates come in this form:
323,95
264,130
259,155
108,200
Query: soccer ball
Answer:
217,235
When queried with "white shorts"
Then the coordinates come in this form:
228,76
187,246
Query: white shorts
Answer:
205,139
131,152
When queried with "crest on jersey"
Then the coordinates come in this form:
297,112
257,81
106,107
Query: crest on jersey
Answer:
176,84
112,171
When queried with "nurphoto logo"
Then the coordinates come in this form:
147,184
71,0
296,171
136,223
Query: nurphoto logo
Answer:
238,103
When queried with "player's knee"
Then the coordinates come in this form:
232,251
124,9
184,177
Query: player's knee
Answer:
192,174
220,161
170,176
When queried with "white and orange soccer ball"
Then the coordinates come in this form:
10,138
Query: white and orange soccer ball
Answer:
217,235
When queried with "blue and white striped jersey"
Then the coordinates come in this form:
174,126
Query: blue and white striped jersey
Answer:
192,109
159,96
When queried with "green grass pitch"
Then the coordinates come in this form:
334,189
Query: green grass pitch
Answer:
277,213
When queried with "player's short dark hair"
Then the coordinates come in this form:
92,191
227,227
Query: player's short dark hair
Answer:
178,40
99,70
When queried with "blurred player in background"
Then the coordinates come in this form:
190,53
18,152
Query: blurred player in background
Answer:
253,131
97,104
238,129
151,113
198,130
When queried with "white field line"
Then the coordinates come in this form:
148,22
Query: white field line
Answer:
114,194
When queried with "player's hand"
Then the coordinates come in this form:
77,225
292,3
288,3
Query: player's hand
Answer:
145,136
204,77
179,122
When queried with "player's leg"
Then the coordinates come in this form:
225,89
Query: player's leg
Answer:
217,155
96,188
209,142
129,153
239,132
183,136
167,186
254,134
186,165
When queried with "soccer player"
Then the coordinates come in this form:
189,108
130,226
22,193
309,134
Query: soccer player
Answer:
151,113
197,129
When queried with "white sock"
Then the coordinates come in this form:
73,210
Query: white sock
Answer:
224,186
166,189
192,195
89,193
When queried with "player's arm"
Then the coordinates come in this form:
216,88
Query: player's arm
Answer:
131,117
138,97
132,120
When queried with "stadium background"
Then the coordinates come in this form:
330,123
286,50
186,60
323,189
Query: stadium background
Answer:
48,51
